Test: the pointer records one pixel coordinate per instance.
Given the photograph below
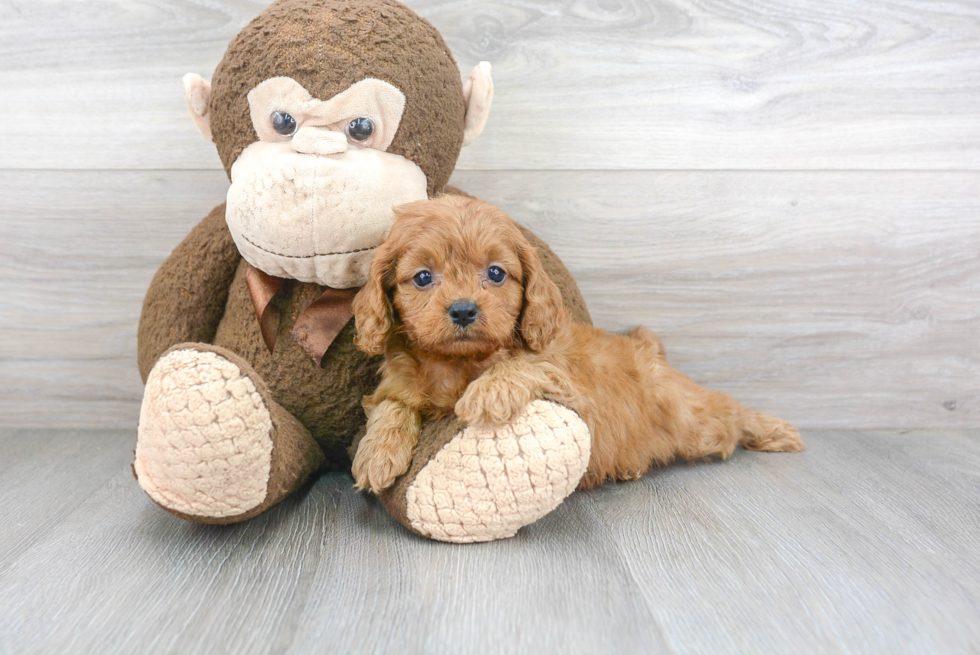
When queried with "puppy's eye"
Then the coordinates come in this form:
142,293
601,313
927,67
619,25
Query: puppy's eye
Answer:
496,274
422,279
283,123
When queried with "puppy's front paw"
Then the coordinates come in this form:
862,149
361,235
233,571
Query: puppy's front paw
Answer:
380,460
492,401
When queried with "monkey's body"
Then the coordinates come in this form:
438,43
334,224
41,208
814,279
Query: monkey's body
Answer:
325,400
327,115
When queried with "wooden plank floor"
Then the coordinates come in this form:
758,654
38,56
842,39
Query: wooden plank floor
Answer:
865,543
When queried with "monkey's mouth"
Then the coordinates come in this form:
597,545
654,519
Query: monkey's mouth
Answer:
316,254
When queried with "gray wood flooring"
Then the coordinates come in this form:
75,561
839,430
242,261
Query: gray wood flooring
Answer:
865,543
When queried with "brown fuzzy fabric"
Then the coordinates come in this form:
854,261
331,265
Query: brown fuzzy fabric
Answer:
326,399
327,45
187,296
570,294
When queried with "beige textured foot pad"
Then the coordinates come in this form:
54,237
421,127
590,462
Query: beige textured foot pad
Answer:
204,443
487,483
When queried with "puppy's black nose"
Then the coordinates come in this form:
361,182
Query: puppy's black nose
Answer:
463,312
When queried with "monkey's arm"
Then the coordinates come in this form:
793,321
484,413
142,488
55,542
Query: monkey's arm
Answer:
187,296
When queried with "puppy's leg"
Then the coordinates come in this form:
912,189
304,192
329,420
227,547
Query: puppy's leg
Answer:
763,432
506,388
385,452
719,423
706,423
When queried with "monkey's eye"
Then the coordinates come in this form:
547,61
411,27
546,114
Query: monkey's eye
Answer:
496,274
359,129
283,123
422,279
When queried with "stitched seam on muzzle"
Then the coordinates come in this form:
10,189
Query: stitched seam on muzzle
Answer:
325,254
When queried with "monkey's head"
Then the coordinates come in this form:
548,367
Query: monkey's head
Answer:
327,115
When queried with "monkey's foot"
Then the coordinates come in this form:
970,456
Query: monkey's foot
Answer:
212,446
485,483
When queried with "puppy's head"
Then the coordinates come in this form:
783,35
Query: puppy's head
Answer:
458,279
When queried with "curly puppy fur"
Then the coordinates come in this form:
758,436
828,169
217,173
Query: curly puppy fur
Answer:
520,345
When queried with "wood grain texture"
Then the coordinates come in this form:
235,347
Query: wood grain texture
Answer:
78,253
581,84
834,300
44,476
864,543
836,552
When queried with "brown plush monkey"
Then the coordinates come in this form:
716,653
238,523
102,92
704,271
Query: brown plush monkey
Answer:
326,114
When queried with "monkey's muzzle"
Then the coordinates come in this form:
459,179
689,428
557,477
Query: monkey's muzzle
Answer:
317,218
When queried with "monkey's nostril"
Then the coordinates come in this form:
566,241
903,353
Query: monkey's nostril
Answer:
463,312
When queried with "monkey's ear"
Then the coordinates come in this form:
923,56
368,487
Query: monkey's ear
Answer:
478,96
197,93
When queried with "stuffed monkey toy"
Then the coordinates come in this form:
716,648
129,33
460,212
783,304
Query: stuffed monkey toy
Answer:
326,115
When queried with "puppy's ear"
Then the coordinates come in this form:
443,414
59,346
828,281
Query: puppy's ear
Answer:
543,308
372,307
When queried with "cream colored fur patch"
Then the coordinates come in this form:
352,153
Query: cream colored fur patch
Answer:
204,442
487,483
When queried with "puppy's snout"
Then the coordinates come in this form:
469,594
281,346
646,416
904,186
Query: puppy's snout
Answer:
463,312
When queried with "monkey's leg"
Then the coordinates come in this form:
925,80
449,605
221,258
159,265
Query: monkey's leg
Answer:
212,445
478,483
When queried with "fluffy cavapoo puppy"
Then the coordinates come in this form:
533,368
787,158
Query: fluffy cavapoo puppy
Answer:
470,324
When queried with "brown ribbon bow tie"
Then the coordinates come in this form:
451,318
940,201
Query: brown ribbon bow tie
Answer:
317,326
